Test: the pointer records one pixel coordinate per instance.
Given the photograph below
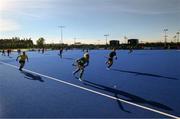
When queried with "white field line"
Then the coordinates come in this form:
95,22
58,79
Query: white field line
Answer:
96,92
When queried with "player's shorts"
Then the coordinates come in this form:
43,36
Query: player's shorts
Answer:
80,63
21,62
110,59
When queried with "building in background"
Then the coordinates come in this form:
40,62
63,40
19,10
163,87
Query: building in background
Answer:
114,42
133,42
77,43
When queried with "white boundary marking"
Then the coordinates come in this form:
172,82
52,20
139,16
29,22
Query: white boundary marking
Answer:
96,92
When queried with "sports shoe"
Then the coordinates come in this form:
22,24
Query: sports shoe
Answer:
80,79
108,68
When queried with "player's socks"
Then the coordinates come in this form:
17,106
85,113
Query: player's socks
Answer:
73,72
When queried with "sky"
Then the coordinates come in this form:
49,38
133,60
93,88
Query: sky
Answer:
89,20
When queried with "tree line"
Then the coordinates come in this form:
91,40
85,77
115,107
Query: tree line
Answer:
15,43
27,43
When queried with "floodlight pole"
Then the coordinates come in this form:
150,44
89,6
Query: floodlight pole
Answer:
61,28
98,42
75,40
165,36
125,40
178,36
106,35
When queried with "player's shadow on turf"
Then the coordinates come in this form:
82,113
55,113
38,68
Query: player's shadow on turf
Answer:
68,58
127,96
103,88
144,74
32,76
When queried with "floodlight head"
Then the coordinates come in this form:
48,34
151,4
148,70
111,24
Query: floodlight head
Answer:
61,26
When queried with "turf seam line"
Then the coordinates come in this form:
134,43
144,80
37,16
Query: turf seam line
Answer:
96,92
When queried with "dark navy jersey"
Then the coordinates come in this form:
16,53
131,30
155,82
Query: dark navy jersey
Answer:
112,54
61,51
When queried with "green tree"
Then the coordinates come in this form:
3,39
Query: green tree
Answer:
15,43
40,42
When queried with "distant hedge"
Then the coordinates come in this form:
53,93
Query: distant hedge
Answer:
15,43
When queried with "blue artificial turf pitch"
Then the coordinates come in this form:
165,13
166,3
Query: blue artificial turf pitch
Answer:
147,78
